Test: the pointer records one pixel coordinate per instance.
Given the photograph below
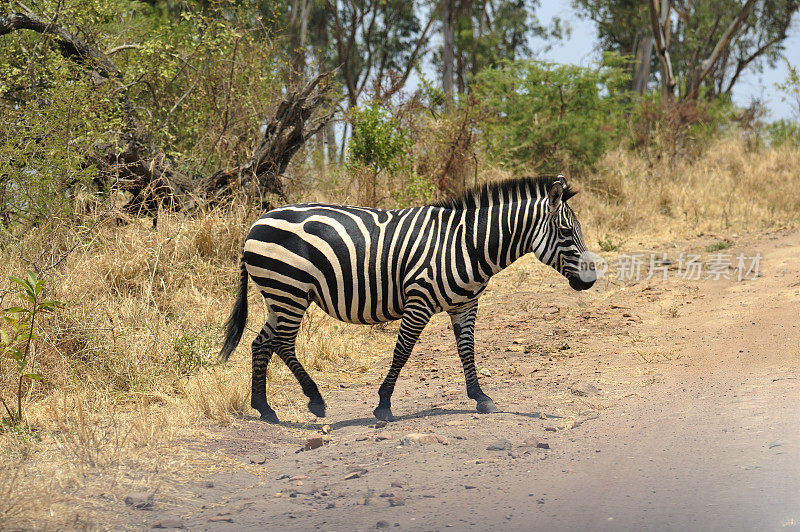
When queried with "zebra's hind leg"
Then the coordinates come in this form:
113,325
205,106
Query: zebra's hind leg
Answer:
262,352
463,320
285,335
414,320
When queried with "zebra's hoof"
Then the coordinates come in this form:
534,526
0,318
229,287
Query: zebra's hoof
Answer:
384,414
317,408
487,407
270,417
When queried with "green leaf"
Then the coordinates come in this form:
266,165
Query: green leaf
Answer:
49,306
35,377
15,309
19,281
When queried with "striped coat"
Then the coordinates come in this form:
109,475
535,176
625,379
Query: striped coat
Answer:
364,265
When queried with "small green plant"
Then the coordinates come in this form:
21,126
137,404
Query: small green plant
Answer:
790,88
191,351
16,343
783,132
419,189
607,244
379,144
719,246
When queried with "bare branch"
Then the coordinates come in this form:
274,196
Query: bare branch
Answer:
657,25
122,47
707,64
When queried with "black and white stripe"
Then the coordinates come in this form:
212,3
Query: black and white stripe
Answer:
365,265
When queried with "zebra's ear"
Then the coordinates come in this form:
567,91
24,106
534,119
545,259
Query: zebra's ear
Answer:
555,194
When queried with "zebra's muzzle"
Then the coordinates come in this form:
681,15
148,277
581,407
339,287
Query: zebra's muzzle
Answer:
576,283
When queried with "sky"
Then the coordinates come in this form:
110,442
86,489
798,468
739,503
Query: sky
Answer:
580,49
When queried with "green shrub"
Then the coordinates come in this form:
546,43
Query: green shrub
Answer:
418,190
783,133
659,128
379,145
378,141
718,246
550,117
191,352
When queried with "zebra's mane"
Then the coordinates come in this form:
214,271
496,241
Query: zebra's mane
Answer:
480,195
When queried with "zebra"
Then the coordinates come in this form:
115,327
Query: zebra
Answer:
366,265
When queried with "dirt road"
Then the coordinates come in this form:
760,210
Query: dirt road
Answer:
659,404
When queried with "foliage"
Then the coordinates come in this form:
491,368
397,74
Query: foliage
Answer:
620,23
53,115
191,352
378,144
378,141
719,246
205,80
371,42
198,78
783,132
790,88
489,32
608,244
418,189
659,128
16,341
552,118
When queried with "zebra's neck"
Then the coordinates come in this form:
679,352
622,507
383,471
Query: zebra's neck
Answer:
500,232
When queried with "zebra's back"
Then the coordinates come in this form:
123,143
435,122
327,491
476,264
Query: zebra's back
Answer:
351,261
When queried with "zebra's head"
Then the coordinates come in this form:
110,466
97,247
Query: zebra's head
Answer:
562,246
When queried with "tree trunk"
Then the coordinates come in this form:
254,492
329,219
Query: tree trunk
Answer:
641,69
660,26
448,49
284,135
464,57
330,140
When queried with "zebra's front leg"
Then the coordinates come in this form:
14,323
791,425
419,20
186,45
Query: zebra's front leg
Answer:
262,352
415,317
463,320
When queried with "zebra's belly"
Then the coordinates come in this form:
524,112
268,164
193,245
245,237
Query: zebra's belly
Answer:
362,315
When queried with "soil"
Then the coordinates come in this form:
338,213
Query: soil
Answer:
659,404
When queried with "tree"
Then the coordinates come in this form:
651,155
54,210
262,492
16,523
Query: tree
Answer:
700,46
448,48
702,61
482,33
372,39
379,144
132,155
623,26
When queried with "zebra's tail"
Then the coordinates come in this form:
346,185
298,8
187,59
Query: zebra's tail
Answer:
234,327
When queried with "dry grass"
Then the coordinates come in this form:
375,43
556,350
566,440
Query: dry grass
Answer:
130,359
726,189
